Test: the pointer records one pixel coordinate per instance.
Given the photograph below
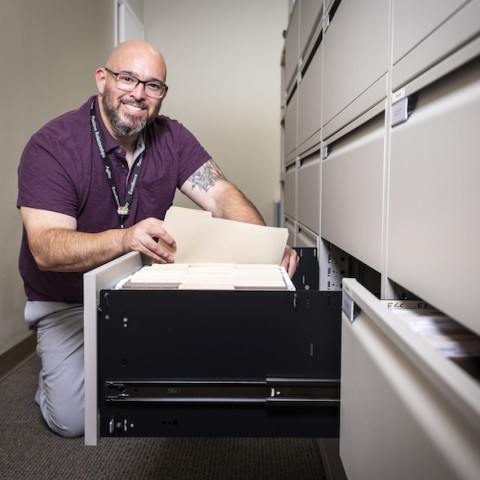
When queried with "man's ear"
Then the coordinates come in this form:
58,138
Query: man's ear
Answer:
101,78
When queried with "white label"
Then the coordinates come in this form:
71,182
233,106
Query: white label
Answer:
398,95
400,111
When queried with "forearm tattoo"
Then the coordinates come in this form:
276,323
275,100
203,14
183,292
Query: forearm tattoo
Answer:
206,176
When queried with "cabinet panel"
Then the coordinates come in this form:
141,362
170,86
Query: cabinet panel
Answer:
435,199
309,111
410,30
405,411
435,30
306,239
352,193
310,11
308,197
290,128
289,224
292,46
290,193
355,54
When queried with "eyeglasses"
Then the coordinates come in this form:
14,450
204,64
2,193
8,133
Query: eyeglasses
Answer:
128,83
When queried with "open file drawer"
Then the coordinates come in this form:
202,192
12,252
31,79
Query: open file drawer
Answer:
406,410
220,363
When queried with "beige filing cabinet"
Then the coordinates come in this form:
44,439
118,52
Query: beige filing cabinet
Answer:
381,120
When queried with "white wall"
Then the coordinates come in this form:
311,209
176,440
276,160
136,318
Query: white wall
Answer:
49,51
223,59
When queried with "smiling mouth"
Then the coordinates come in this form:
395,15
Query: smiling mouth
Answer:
133,108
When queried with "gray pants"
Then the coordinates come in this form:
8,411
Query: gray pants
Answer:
60,393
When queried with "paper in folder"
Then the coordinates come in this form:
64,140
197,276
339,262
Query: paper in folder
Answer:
213,253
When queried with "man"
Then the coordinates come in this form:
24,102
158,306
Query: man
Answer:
94,184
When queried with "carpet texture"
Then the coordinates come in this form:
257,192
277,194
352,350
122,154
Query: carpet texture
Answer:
29,450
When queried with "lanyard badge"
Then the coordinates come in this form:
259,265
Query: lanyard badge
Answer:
122,210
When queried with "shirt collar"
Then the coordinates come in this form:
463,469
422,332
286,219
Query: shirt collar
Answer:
140,148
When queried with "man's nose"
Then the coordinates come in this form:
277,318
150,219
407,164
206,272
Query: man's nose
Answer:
139,90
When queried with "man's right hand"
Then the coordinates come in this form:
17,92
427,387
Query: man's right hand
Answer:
143,237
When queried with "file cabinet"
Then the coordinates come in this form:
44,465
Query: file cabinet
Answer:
397,84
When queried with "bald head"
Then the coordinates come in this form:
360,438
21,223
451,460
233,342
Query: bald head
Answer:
138,56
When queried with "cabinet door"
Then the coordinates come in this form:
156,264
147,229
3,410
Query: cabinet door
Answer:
427,31
355,57
290,193
290,128
309,111
352,192
308,196
406,412
290,226
292,47
410,30
310,13
306,239
434,205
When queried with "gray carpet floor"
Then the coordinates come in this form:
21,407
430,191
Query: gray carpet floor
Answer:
29,450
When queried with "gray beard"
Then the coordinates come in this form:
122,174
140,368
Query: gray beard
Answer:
120,128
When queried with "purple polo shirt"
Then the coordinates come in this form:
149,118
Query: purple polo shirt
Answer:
61,170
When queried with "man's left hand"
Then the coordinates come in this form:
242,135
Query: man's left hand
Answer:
290,260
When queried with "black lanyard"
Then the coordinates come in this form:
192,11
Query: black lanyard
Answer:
122,211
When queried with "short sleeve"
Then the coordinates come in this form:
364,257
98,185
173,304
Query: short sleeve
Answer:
44,177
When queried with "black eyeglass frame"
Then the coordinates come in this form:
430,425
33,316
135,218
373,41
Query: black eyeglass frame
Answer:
144,82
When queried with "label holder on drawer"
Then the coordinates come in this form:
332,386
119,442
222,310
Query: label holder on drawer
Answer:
402,106
349,307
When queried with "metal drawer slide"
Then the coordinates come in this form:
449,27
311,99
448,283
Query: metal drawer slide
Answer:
272,392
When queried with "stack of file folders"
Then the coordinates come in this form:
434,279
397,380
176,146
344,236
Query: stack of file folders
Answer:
445,335
209,277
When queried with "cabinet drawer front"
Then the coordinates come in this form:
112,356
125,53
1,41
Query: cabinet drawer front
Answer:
309,111
434,200
289,224
406,411
352,193
308,197
310,15
355,54
306,239
292,46
438,28
290,129
290,193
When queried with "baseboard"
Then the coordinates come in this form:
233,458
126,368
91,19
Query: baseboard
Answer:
332,463
17,355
